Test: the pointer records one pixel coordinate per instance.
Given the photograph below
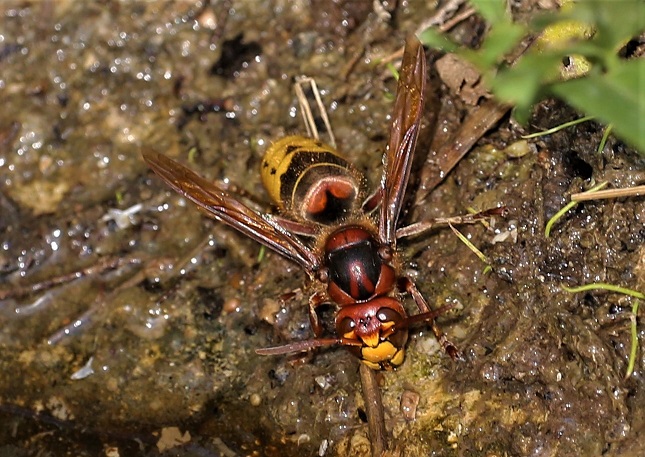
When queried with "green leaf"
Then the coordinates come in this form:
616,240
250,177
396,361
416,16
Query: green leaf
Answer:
614,97
521,84
614,21
435,39
493,11
499,41
612,91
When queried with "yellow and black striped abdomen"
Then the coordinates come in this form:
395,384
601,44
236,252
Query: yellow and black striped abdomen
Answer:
309,180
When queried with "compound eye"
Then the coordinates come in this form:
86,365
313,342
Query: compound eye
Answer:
346,326
323,275
385,253
388,315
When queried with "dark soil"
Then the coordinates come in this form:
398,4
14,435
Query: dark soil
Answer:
151,346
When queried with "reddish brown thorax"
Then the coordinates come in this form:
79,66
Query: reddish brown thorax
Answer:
357,272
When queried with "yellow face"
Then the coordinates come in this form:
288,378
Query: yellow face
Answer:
310,181
384,356
379,330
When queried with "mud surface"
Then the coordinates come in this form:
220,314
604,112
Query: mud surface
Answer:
147,344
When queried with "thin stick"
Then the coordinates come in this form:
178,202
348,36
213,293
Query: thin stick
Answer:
446,26
374,410
442,16
609,193
107,263
305,108
307,113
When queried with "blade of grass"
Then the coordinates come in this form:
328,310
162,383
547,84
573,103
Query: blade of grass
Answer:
470,245
634,349
603,140
633,317
557,128
606,286
556,217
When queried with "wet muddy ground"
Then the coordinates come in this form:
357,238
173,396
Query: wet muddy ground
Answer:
150,348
